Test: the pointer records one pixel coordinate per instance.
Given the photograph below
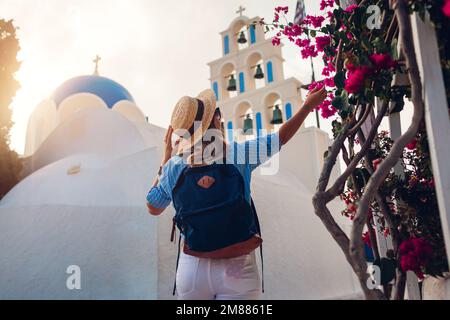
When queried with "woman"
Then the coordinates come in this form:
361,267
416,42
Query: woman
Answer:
227,271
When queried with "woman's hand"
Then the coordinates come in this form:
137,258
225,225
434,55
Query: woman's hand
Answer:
289,128
168,149
315,98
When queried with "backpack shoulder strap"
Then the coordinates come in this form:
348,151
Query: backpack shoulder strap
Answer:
176,268
258,227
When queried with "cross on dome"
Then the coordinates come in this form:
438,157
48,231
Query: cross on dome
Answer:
96,61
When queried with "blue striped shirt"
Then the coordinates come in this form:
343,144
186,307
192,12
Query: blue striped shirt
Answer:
246,156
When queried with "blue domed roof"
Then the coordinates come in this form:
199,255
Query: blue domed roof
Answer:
110,91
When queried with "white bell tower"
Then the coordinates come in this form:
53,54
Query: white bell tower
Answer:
249,84
246,53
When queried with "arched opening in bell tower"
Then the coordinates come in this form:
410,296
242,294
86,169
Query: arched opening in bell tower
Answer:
256,71
228,83
245,118
241,35
273,110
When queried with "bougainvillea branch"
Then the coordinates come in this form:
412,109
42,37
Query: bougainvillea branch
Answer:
362,65
356,243
355,161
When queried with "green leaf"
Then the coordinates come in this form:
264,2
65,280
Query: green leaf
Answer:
339,80
338,102
313,33
338,13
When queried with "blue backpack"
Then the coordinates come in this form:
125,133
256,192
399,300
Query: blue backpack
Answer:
213,214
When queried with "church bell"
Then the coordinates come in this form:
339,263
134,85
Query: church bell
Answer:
248,125
242,38
277,116
259,74
231,84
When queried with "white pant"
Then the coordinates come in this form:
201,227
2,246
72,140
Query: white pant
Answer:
219,279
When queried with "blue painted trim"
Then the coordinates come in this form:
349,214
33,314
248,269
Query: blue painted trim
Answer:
288,111
230,131
252,34
241,82
216,90
258,131
226,45
269,72
258,123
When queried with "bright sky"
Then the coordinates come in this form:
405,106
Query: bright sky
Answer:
158,50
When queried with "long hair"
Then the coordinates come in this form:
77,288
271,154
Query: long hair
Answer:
216,144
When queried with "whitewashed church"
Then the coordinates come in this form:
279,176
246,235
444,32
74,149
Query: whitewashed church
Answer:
91,155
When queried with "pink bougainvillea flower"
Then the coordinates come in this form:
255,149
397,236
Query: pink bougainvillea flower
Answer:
326,3
350,67
322,42
279,9
382,61
351,207
329,82
293,30
351,8
330,15
412,145
366,238
415,254
406,247
276,18
356,78
302,42
446,8
276,41
328,69
314,85
315,21
328,111
309,51
376,163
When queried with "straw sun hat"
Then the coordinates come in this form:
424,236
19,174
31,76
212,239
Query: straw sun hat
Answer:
189,110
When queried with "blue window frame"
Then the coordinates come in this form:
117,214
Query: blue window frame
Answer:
258,123
252,34
241,82
269,72
216,90
288,111
230,131
226,44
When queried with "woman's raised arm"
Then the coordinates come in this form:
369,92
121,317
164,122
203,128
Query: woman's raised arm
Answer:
315,98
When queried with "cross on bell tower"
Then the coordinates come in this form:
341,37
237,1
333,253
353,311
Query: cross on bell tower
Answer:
240,10
96,61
